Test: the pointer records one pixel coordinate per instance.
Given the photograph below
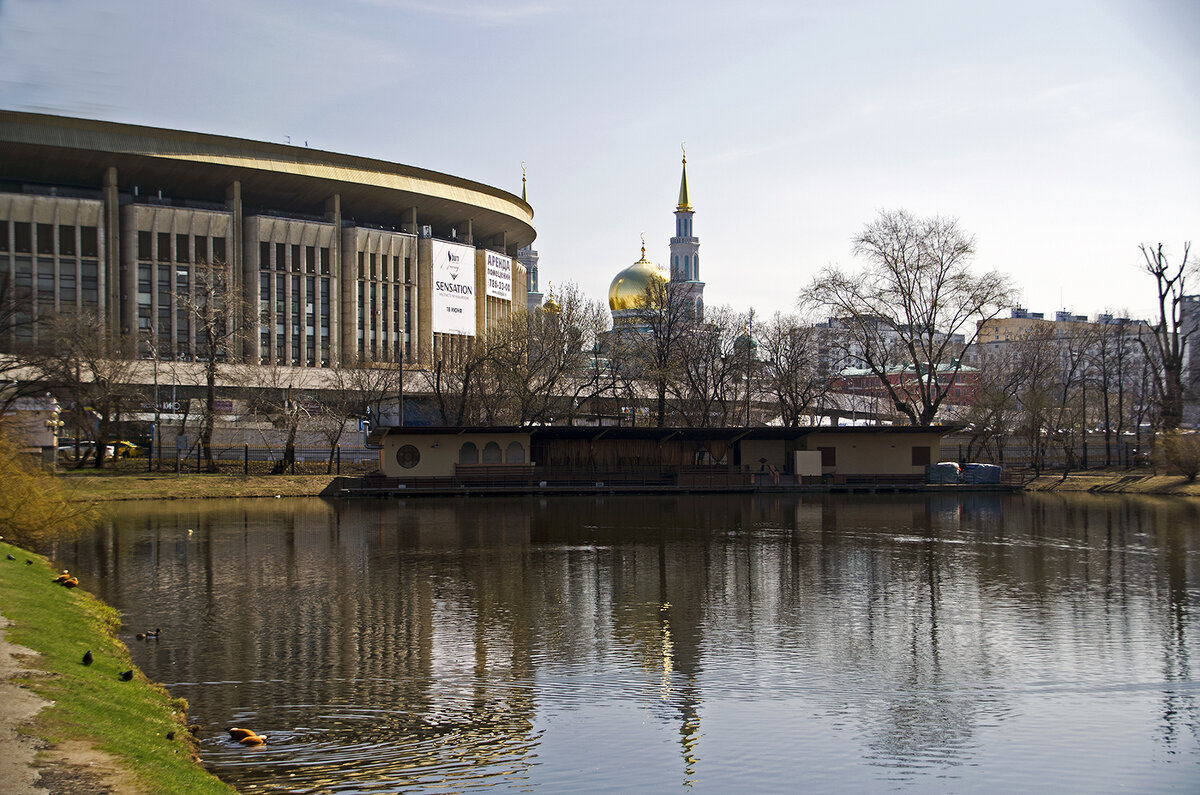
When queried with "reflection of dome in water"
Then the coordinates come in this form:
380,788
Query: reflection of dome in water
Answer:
628,288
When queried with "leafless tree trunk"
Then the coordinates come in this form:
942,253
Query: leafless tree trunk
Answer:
221,319
1170,337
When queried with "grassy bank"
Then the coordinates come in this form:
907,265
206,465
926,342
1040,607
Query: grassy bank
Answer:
129,721
1118,483
88,487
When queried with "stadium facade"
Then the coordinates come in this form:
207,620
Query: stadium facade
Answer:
341,258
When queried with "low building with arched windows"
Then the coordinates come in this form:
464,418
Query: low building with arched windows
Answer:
591,458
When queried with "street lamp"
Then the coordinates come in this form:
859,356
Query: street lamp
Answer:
53,425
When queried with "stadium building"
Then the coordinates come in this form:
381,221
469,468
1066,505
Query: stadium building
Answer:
341,258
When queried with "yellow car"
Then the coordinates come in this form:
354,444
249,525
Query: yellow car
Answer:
126,449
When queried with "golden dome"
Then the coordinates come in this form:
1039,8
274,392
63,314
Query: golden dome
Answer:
628,288
551,306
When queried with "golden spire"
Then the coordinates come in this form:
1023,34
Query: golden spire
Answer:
643,259
685,204
524,196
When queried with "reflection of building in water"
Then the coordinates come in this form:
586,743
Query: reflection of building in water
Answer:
422,634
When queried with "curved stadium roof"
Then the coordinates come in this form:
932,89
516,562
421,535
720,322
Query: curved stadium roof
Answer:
55,150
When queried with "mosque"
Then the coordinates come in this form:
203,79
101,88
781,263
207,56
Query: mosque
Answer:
627,295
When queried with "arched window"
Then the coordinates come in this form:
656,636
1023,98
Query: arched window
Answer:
491,453
675,264
686,266
696,267
468,454
514,453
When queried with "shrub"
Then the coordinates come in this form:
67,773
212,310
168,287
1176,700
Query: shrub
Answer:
32,502
1181,453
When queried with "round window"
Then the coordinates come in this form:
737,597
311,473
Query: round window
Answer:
407,456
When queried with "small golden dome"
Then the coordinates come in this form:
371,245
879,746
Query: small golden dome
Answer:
551,306
628,288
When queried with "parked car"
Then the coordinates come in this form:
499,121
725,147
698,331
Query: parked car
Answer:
127,449
85,450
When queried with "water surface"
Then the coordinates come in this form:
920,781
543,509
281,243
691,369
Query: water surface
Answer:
723,643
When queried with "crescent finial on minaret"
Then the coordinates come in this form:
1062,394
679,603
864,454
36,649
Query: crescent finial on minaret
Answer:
524,195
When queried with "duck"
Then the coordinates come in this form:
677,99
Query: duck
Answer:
149,634
11,557
71,582
87,657
239,734
253,739
63,576
126,675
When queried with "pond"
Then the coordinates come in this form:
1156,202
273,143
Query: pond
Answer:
651,643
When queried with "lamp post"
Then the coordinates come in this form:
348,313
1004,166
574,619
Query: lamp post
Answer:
53,424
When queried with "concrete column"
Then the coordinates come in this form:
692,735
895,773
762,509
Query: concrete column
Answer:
348,296
248,235
482,303
333,214
417,281
244,281
111,285
424,344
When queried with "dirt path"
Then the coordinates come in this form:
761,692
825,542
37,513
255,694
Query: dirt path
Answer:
66,769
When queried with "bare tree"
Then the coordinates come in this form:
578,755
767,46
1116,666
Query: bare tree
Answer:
666,319
221,322
1169,340
455,379
354,392
798,363
917,299
96,372
708,367
24,365
538,363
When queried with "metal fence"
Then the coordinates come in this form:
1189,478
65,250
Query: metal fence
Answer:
244,459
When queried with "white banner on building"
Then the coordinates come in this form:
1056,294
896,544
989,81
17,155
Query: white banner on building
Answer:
453,288
499,276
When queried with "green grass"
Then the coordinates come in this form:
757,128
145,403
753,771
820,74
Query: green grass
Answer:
128,720
90,487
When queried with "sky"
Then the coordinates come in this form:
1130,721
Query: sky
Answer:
1060,135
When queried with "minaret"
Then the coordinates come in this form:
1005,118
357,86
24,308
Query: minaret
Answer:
529,258
685,250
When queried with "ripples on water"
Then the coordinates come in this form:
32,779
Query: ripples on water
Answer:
711,643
